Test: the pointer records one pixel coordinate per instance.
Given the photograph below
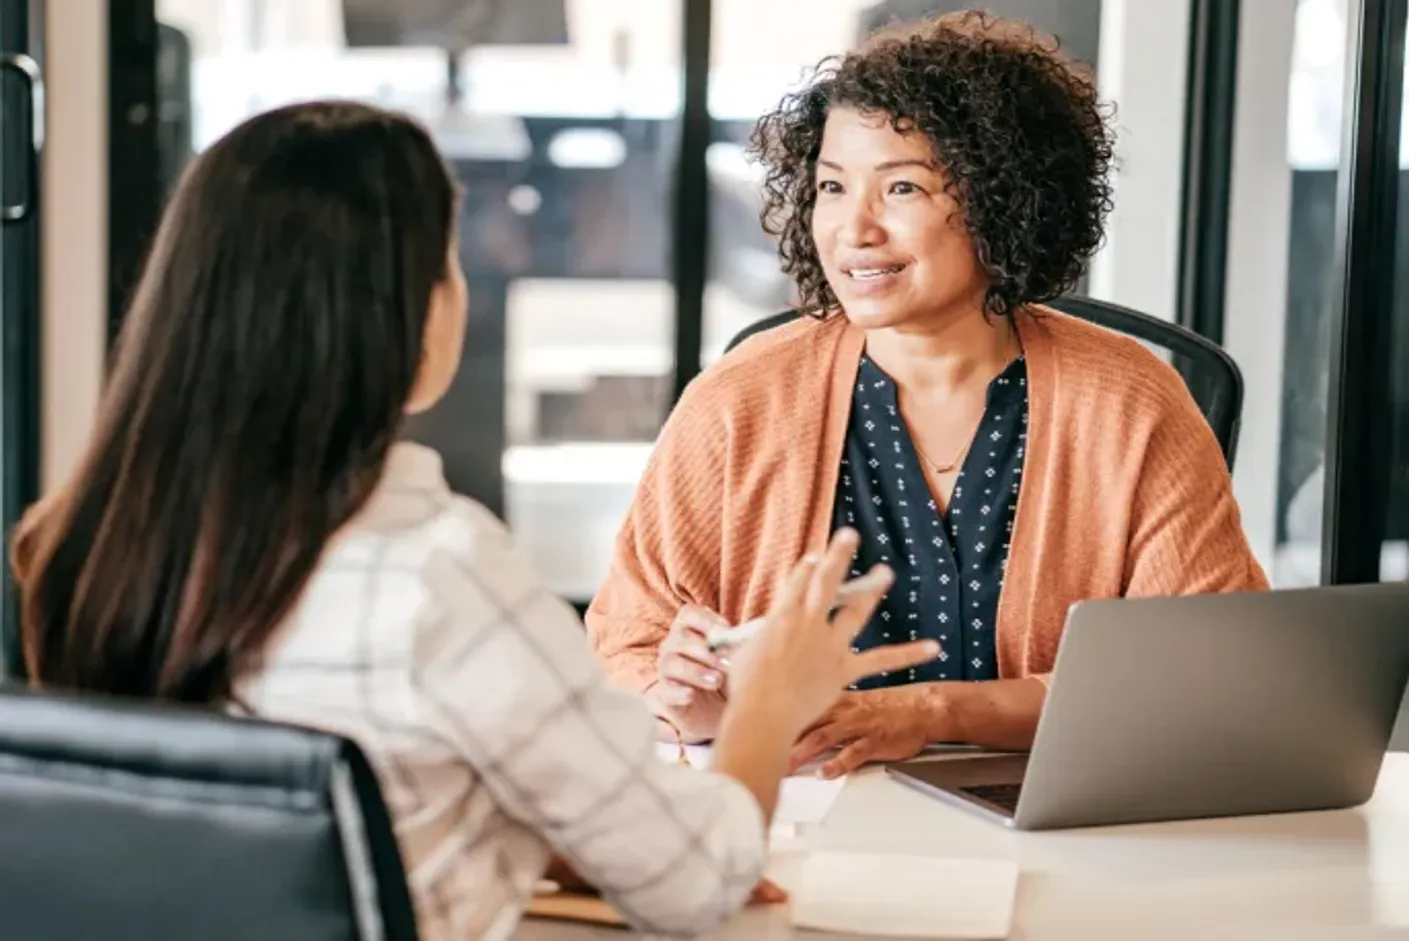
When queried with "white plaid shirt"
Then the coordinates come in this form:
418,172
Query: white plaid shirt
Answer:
426,639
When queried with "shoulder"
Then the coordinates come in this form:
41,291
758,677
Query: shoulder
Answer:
480,591
413,515
428,540
784,364
1101,370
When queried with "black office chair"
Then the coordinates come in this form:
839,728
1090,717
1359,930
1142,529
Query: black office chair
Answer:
1213,377
131,820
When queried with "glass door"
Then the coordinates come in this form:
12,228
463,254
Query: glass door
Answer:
561,119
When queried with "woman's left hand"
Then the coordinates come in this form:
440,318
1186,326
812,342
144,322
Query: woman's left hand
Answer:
875,725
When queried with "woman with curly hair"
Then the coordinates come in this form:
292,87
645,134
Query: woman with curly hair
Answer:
929,191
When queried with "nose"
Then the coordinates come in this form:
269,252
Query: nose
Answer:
859,225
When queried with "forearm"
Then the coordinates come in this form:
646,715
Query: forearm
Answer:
618,817
998,714
630,668
753,748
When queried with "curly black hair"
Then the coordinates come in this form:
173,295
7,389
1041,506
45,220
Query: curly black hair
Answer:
1024,142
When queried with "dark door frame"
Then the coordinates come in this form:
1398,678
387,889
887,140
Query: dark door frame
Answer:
135,196
1210,115
1359,414
21,84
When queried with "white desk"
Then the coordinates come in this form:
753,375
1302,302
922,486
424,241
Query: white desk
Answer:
1335,875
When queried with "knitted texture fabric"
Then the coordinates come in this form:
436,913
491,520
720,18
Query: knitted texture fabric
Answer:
1125,492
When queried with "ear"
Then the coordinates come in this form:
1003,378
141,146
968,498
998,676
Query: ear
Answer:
441,342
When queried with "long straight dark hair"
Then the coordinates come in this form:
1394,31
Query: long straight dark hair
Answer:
260,379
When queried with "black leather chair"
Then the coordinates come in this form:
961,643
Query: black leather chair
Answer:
1213,377
149,823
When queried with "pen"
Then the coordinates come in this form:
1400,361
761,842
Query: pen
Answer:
719,638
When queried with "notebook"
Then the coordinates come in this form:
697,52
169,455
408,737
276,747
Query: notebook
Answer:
882,895
584,907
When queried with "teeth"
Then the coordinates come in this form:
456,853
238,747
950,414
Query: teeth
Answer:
865,273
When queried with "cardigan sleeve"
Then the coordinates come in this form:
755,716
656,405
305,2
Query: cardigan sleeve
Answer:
668,551
1186,533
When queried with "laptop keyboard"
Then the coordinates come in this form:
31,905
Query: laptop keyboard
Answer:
1004,796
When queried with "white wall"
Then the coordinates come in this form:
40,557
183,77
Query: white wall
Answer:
1255,299
1143,69
74,230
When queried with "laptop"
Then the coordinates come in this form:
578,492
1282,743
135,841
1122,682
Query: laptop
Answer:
1204,706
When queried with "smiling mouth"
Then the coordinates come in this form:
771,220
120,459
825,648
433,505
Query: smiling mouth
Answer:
872,274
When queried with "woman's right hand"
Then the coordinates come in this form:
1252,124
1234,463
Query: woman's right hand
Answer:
690,688
802,659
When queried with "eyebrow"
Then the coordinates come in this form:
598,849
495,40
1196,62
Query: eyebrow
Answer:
886,165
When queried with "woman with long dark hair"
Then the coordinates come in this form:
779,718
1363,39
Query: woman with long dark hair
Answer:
246,532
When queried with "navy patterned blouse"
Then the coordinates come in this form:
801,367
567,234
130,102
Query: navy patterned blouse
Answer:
948,566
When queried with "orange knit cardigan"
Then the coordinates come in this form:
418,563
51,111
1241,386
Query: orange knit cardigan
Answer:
1125,491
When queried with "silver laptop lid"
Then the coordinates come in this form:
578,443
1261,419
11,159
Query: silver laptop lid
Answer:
1172,708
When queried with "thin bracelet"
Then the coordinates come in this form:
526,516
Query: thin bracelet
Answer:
682,756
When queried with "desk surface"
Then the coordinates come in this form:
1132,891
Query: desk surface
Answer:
1319,875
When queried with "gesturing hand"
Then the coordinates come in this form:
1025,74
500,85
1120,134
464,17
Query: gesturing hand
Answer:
802,659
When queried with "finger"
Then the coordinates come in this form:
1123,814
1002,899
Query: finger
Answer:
688,673
683,636
832,570
891,657
815,743
849,759
693,619
854,611
674,694
698,651
767,893
794,591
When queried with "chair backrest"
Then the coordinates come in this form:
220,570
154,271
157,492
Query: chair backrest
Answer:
133,820
1213,378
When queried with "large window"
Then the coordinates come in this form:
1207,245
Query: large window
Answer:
1286,163
1284,284
563,120
560,121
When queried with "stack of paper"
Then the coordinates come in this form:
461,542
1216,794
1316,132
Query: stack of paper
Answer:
905,896
803,798
806,799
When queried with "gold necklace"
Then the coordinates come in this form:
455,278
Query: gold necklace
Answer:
959,456
964,449
942,468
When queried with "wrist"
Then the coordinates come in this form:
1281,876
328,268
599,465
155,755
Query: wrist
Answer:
756,738
941,709
765,715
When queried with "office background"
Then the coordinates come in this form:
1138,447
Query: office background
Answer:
610,233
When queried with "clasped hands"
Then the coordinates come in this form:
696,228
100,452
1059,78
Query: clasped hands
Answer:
691,690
